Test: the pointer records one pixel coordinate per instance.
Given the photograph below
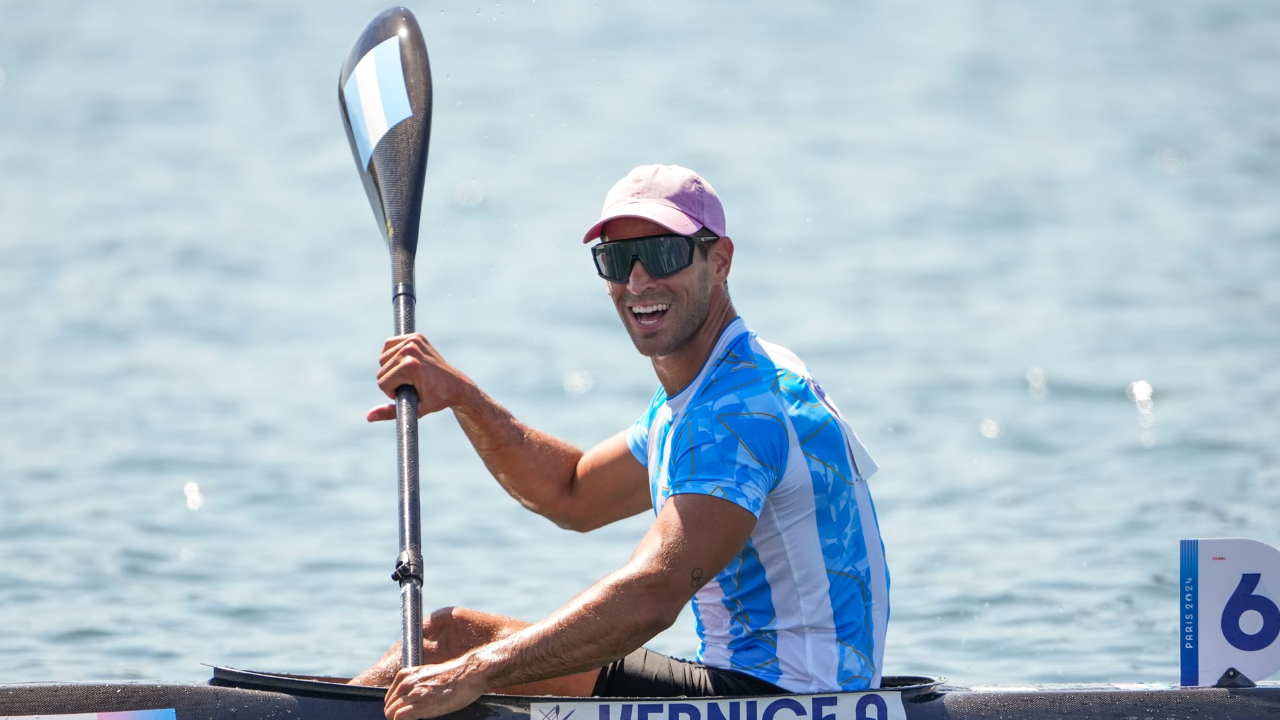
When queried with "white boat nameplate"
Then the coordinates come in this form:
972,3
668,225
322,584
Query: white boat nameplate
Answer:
870,705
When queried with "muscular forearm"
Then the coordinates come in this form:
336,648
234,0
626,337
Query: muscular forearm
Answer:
546,474
535,468
691,541
610,619
606,622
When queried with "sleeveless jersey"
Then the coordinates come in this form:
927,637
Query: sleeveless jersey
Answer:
805,604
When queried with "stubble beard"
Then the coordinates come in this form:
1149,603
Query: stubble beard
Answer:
677,334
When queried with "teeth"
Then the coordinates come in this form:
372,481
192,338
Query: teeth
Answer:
645,309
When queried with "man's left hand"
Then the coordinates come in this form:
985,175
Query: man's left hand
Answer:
429,691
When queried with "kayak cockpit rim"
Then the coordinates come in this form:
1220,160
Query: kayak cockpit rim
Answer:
336,687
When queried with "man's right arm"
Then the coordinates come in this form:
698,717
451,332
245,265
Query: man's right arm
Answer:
576,490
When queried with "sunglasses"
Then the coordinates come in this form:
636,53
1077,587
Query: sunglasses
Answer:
662,255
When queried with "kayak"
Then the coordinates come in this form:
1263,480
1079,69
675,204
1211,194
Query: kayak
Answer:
246,695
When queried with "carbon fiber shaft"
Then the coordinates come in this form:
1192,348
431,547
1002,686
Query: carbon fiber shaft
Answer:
410,502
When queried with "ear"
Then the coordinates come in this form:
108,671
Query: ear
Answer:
721,258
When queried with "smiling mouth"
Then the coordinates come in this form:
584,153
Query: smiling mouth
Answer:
647,316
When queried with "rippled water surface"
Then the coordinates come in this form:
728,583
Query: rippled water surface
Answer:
1031,249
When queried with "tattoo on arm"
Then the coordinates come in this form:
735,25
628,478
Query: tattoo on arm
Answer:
696,579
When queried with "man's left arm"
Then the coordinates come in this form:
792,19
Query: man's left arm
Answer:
693,538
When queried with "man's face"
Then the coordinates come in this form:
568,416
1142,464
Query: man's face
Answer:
662,314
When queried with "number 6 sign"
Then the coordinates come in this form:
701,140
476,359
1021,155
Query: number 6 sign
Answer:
1229,617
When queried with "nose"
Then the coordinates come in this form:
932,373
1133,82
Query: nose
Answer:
640,279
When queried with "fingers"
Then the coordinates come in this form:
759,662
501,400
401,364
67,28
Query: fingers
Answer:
394,700
398,344
402,370
403,711
428,691
397,705
396,350
382,412
397,687
404,361
411,360
401,363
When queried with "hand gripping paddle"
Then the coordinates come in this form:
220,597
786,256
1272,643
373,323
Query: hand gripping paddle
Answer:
384,91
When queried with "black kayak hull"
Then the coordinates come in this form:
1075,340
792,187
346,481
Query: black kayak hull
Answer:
245,695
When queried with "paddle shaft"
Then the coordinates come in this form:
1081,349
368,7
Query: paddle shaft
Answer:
410,505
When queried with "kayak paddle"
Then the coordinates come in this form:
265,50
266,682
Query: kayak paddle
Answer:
384,91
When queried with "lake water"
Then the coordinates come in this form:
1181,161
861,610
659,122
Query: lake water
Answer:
1031,249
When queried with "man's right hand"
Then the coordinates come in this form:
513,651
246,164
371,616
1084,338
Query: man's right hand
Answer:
411,360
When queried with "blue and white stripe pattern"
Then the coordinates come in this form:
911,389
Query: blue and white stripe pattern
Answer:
805,604
1189,604
376,96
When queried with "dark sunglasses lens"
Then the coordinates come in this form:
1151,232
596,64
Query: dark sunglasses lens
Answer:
666,255
662,255
613,262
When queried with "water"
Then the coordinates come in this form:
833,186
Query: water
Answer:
980,226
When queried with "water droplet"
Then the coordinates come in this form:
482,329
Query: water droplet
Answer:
1037,383
1170,160
990,429
195,498
469,193
578,382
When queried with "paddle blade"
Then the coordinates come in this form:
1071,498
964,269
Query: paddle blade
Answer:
384,91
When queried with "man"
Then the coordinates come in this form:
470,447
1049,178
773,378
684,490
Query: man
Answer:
758,486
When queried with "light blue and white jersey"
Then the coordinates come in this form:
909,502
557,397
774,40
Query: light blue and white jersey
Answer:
804,605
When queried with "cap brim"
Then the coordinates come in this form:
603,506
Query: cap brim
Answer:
664,215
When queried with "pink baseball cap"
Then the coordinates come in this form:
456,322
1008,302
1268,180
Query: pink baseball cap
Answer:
672,196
